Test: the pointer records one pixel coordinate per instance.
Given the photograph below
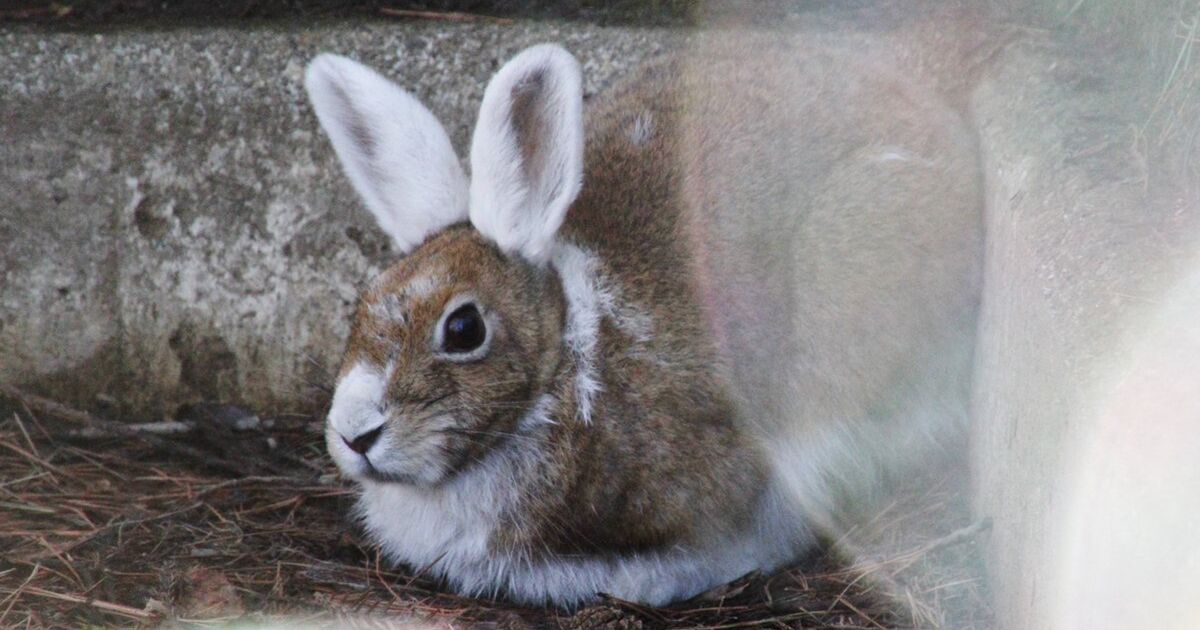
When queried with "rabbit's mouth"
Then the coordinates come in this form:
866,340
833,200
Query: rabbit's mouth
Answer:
425,461
370,472
418,461
426,475
455,459
444,454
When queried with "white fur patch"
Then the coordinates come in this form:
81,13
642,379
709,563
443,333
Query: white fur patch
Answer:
887,154
395,307
577,271
356,409
642,129
517,200
422,286
540,412
590,297
447,531
390,308
444,529
894,154
393,150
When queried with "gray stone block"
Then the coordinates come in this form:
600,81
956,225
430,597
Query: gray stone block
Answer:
175,226
1089,235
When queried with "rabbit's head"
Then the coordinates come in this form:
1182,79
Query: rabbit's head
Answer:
452,343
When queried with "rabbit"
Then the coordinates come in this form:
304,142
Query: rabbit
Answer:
637,356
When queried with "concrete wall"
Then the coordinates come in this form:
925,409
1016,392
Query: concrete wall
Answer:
1087,427
174,224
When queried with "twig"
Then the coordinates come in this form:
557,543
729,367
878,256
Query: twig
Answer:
107,527
165,427
12,598
379,574
865,617
55,10
272,506
27,507
50,407
447,16
110,607
54,470
244,481
28,440
58,554
59,410
960,535
753,623
907,559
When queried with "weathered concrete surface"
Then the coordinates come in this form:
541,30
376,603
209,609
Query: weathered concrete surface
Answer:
174,223
1093,233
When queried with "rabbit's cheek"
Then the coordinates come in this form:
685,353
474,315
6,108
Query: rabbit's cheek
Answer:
410,457
432,472
435,464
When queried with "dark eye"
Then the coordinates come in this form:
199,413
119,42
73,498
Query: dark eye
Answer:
464,330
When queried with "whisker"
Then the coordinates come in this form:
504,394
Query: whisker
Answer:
511,381
428,403
483,406
504,434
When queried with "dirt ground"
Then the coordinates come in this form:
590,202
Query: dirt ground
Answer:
219,516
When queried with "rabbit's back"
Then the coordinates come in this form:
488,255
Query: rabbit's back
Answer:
821,209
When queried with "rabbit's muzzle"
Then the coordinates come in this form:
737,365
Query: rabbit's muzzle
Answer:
372,439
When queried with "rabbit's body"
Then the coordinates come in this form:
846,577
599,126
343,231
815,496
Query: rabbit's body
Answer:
671,383
834,212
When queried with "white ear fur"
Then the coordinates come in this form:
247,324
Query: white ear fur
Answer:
394,151
527,151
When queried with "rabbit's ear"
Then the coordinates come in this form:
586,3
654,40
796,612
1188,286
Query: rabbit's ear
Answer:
392,148
527,152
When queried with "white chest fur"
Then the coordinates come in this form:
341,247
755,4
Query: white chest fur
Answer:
446,532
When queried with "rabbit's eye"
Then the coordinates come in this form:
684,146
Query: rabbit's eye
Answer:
464,330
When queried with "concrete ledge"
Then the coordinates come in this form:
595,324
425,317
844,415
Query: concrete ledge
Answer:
1088,236
175,225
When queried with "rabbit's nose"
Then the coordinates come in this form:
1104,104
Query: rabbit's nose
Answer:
362,443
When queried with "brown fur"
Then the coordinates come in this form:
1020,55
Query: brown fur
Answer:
662,425
791,282
493,393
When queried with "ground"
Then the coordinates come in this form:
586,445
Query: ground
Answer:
231,517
